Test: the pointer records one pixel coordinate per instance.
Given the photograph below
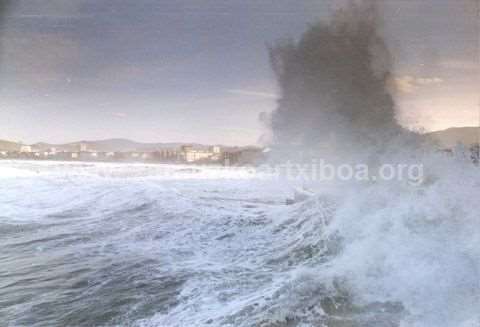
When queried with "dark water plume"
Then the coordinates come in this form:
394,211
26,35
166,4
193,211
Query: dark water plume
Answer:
334,85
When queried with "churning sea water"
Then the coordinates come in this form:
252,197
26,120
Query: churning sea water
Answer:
153,245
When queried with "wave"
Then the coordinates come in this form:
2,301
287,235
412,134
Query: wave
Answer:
143,251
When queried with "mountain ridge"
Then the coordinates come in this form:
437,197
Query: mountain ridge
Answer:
446,138
109,145
449,137
9,146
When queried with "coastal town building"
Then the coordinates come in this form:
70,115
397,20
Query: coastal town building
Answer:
184,154
190,154
25,148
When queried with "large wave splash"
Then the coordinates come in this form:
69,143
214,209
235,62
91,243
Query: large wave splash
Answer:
335,89
402,255
381,255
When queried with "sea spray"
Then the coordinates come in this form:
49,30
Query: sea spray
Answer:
409,247
335,94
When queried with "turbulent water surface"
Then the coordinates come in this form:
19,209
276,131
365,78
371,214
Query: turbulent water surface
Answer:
141,245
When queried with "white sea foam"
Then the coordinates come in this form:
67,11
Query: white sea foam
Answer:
380,254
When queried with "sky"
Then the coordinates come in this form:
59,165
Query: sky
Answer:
198,70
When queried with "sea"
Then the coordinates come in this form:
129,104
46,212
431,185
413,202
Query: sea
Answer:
105,244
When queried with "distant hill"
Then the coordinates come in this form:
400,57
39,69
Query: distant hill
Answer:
446,138
115,145
450,137
110,145
9,146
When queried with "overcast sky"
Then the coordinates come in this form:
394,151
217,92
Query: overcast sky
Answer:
198,70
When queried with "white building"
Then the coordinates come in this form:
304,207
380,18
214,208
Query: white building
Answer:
196,155
25,149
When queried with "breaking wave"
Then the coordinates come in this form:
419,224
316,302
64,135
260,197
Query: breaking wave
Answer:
89,249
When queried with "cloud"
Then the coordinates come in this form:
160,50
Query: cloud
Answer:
428,80
266,95
38,60
120,114
459,65
404,84
410,84
48,9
